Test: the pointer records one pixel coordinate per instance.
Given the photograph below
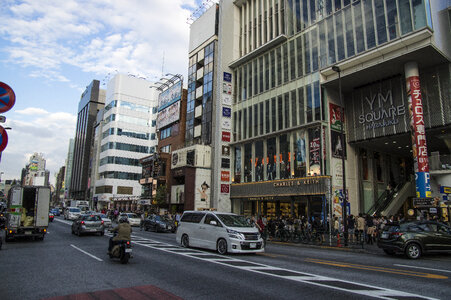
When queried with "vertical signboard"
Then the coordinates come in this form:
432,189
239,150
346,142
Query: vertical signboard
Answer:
315,151
418,132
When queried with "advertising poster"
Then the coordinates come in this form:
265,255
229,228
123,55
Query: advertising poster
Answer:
170,96
226,136
418,132
169,115
315,151
177,194
335,116
337,147
202,191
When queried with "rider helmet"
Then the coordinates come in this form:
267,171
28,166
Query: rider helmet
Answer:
123,220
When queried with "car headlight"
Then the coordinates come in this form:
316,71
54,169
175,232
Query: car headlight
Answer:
235,234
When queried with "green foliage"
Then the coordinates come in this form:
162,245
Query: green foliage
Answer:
160,197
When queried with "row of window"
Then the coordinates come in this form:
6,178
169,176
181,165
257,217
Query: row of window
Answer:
119,161
127,147
347,32
291,109
120,175
130,120
131,106
128,133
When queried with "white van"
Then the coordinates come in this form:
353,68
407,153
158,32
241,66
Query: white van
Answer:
72,213
223,232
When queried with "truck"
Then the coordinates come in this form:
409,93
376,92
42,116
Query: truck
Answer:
82,204
27,212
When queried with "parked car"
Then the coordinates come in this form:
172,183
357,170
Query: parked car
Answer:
106,221
72,213
415,238
223,232
55,211
132,218
159,224
88,224
51,216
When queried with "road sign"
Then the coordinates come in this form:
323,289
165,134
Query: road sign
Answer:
3,139
7,97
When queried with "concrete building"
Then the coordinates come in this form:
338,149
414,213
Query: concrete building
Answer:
128,133
279,66
34,172
91,101
69,163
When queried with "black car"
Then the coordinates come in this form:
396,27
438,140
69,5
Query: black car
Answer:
415,238
159,224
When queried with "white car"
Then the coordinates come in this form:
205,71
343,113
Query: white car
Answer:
106,221
132,218
223,232
72,213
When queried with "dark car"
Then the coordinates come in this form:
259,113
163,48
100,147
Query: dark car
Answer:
55,211
159,224
415,238
88,224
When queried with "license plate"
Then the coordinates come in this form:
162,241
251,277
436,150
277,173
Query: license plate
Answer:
384,235
128,250
27,232
252,245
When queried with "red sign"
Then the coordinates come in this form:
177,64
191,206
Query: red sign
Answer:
225,176
417,123
3,139
226,136
7,97
225,188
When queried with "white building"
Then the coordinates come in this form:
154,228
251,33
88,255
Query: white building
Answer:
128,134
35,172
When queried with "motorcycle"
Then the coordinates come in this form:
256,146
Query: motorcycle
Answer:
122,250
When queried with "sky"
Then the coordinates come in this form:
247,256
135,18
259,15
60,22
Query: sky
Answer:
50,50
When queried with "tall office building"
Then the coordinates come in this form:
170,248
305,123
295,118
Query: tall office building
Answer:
69,163
128,133
35,174
279,66
92,100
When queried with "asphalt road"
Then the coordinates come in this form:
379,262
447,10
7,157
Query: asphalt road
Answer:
65,264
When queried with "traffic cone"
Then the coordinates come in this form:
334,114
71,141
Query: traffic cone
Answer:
338,240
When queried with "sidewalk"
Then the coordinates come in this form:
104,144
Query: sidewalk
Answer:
332,244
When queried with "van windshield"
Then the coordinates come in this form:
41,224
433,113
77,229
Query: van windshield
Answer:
74,209
234,220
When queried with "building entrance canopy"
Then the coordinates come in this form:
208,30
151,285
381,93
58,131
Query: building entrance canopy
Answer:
316,185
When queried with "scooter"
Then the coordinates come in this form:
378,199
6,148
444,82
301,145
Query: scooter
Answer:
121,250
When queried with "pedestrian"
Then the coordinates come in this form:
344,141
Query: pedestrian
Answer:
360,227
141,224
351,228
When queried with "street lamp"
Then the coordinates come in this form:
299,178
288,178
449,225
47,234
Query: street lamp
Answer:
343,145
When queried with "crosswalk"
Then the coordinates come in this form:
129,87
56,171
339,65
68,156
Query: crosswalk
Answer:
306,278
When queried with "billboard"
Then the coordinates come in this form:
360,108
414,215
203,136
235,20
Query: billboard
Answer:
170,96
169,115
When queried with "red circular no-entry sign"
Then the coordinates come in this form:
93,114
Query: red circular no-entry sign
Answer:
3,139
7,97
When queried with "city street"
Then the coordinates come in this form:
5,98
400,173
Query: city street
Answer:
65,264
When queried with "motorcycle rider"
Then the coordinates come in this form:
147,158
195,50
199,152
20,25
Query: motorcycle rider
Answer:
123,230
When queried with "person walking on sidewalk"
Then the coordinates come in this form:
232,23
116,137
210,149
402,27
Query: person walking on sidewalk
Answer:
351,229
360,228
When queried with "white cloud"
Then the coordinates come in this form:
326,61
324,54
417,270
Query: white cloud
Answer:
43,132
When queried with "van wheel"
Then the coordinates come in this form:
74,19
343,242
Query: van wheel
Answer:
185,241
413,251
222,246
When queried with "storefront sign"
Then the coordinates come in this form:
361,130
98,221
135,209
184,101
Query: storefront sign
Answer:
226,150
445,190
418,132
227,88
225,188
423,202
261,198
227,77
226,136
296,182
380,111
227,124
225,176
226,112
144,202
226,99
225,163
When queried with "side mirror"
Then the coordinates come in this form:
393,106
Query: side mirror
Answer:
213,223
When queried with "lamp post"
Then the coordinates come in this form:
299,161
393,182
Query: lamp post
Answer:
343,146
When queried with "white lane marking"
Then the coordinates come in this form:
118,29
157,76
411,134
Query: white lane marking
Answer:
307,278
64,221
415,267
89,254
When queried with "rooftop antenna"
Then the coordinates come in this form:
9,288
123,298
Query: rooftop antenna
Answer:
162,66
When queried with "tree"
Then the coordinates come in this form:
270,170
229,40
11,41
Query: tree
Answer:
160,197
